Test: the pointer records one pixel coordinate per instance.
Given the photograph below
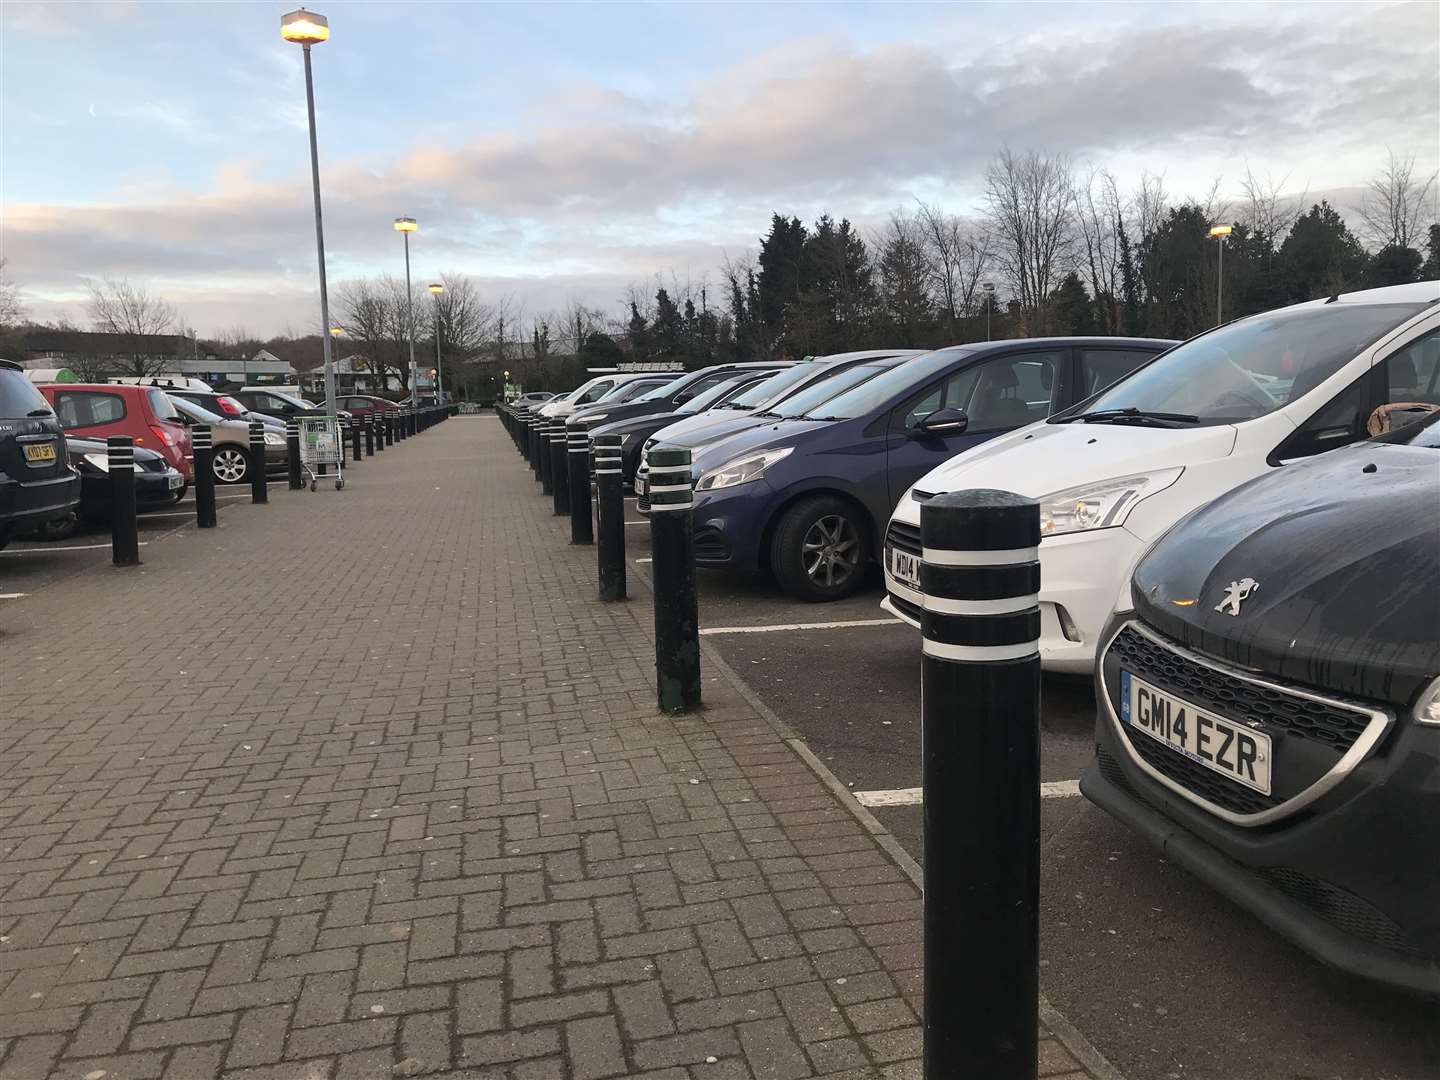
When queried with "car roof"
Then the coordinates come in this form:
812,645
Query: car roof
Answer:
868,354
1416,292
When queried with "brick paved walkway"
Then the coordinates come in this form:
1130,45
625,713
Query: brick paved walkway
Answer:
366,785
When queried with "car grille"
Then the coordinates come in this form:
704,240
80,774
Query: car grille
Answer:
710,545
903,536
1296,716
903,605
152,465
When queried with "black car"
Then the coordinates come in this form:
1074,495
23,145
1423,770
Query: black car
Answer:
157,486
228,406
37,484
269,402
1270,710
663,400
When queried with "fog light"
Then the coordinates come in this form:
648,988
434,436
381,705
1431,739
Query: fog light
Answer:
1067,624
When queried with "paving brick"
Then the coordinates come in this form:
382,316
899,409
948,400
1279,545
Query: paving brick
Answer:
510,1046
178,1032
593,1046
643,1012
341,1038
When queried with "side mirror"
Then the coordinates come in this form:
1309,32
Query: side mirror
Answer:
944,422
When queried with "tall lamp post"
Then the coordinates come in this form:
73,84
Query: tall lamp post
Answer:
989,288
435,290
306,28
1220,232
405,226
335,332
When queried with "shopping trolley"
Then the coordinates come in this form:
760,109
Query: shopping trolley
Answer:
320,447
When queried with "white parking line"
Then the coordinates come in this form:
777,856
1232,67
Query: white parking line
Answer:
637,523
642,560
845,624
12,595
62,547
914,796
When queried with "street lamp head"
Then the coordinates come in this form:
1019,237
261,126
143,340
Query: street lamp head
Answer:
304,27
988,286
435,288
405,224
1221,231
336,331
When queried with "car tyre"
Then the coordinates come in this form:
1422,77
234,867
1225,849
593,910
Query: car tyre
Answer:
820,549
231,464
62,528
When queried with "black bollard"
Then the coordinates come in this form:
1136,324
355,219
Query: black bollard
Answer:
259,491
343,428
387,437
203,443
354,439
980,740
292,455
672,553
610,516
369,436
582,529
124,533
547,482
559,468
532,443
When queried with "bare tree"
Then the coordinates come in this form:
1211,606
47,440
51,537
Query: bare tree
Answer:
12,304
137,319
958,254
1030,198
1396,203
579,323
1100,214
1150,202
1266,212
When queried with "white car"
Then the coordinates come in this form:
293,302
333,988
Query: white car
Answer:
586,393
1115,472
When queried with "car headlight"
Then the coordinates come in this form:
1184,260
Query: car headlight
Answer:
742,470
1100,506
1427,709
274,438
593,418
98,461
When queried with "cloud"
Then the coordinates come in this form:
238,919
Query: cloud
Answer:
600,180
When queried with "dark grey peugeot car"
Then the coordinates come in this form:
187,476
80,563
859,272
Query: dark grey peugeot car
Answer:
1269,712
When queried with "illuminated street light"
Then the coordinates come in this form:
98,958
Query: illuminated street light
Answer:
405,226
435,290
1220,232
989,288
305,28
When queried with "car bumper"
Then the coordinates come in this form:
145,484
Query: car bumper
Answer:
34,502
729,526
153,491
1342,871
1081,577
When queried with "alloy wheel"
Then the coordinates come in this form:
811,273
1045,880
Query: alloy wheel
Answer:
830,551
230,465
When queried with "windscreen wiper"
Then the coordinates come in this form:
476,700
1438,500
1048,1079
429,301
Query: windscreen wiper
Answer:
1132,416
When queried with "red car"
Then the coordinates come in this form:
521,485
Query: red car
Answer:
364,404
144,413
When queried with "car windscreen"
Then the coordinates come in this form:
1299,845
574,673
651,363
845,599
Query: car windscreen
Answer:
706,398
198,413
1251,368
857,390
632,391
773,388
663,390
161,405
18,396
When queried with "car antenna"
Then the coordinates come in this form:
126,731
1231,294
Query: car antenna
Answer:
1333,297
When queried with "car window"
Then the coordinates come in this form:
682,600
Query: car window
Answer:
1339,421
1011,391
1409,379
773,387
199,413
952,393
1257,365
716,393
599,390
892,382
811,397
699,386
161,405
84,408
1100,368
18,396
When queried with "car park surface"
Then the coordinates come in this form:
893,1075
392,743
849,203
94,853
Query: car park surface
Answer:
1116,471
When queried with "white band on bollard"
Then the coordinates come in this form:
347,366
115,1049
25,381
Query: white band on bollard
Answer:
1001,557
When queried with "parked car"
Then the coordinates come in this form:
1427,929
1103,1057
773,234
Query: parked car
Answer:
145,413
752,407
629,391
587,393
1114,472
1269,705
808,493
362,405
37,484
158,485
227,406
666,398
271,402
533,399
231,439
641,429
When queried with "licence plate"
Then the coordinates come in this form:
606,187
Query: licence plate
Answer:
1232,750
639,485
905,568
176,482
40,452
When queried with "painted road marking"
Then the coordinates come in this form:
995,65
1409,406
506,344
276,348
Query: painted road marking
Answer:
70,547
914,796
800,626
12,595
637,523
642,560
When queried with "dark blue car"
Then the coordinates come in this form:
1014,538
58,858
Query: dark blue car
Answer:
808,494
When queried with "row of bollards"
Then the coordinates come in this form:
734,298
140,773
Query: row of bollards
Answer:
362,436
980,721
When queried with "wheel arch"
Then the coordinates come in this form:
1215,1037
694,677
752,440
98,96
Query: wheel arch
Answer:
800,495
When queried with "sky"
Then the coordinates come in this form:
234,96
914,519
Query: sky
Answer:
558,151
